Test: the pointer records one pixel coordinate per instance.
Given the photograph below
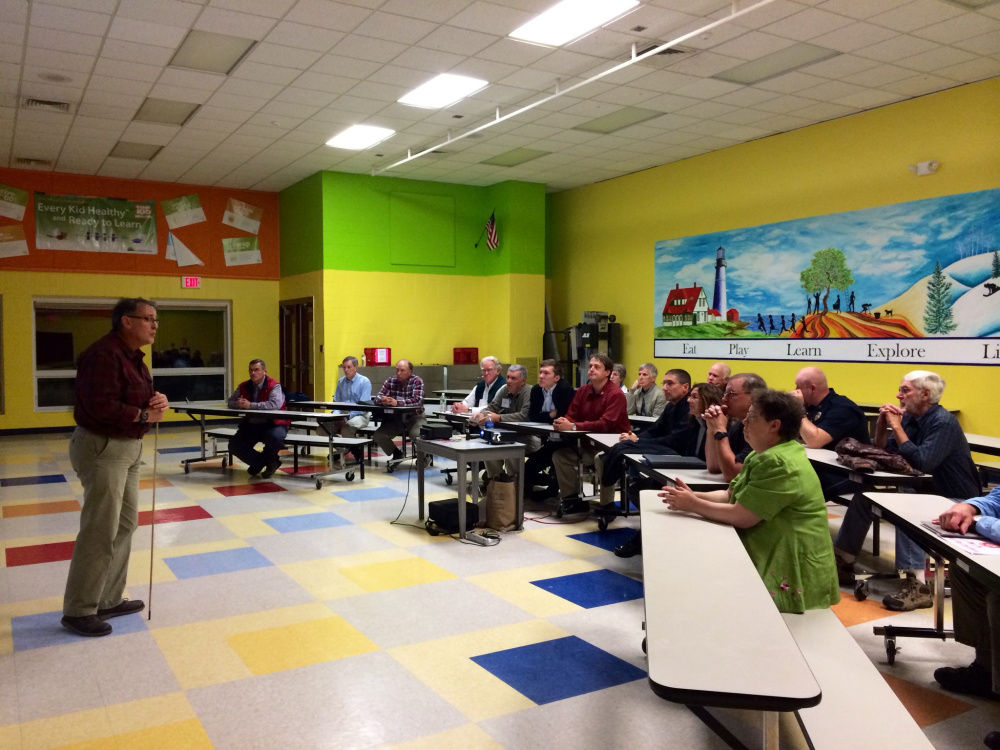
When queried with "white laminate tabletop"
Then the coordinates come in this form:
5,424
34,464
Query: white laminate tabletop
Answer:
983,443
700,480
829,458
711,625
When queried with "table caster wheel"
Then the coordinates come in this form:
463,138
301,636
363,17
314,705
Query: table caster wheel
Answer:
225,462
643,645
448,479
890,650
559,511
861,590
187,468
390,467
319,484
349,476
602,523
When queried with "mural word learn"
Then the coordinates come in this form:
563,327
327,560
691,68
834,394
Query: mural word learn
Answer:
913,282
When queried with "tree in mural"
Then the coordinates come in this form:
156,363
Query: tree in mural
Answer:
827,271
996,265
937,316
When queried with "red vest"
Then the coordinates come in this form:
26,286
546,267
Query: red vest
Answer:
265,391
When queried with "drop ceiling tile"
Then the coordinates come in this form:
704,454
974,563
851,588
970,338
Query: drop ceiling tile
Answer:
760,18
369,48
807,24
784,104
240,102
276,126
973,70
458,41
51,60
108,98
288,57
213,112
13,33
233,23
328,14
127,168
16,11
345,66
180,94
206,130
752,45
31,86
491,18
821,111
325,83
271,8
119,49
428,60
112,113
294,112
487,70
747,97
868,99
290,34
171,12
312,97
986,44
350,104
127,70
514,53
830,90
896,48
192,79
379,91
395,28
255,89
915,15
708,88
397,75
626,95
666,81
852,37
854,9
62,41
941,57
839,66
670,103
68,19
705,64
123,85
145,32
743,116
11,53
99,124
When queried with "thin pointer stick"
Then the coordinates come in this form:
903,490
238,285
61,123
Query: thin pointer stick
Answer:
152,525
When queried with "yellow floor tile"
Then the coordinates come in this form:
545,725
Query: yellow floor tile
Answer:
181,735
150,712
445,666
396,574
323,578
559,539
515,586
313,642
403,535
469,737
10,737
67,729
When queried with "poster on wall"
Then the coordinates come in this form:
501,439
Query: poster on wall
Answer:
912,283
106,225
183,211
13,202
241,251
180,253
12,241
243,216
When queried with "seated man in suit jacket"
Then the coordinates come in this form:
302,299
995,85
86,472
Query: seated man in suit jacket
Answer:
548,402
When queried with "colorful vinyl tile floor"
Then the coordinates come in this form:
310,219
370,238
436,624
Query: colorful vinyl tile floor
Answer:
289,617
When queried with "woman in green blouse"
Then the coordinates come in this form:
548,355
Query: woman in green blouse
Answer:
777,507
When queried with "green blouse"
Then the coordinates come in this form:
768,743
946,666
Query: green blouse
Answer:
791,546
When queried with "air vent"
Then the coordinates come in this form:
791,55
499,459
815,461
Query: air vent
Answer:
23,162
668,51
45,105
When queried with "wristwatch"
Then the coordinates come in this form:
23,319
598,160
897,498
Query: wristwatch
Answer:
144,417
719,434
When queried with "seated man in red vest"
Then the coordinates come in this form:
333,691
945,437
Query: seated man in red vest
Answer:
259,392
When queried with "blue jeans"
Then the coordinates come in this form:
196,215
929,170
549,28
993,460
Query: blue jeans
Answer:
854,529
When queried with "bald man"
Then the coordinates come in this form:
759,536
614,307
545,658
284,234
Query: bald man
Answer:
718,374
830,417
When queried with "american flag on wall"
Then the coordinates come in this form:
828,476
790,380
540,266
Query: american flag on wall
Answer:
491,232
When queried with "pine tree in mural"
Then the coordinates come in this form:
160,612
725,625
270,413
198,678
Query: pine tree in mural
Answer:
996,265
937,316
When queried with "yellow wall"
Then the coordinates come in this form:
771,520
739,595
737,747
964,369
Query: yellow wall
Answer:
421,317
602,236
254,322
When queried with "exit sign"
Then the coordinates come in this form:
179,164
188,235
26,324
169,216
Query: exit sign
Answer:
191,282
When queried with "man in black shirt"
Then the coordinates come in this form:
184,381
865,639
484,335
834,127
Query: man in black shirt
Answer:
830,417
725,447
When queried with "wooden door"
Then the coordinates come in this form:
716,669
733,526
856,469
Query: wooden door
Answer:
297,346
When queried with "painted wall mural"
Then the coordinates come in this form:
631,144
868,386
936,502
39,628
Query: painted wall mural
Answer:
912,282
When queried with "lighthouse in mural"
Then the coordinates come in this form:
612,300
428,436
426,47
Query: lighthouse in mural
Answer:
719,297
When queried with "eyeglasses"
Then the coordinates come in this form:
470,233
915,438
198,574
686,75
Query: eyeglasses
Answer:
732,394
148,318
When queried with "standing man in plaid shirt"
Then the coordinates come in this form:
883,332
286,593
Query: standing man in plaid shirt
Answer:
404,389
115,406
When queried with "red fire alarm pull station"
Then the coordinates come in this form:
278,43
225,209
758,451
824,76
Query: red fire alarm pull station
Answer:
378,356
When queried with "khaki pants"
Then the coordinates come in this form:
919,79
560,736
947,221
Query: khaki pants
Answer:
531,442
108,468
567,466
391,427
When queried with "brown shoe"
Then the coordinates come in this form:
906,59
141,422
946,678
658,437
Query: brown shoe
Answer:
126,607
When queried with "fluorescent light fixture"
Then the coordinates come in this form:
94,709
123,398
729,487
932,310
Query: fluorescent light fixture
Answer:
442,91
211,52
569,20
775,64
165,111
514,157
358,137
623,118
141,151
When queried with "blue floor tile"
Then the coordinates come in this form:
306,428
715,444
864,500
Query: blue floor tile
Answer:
39,631
210,563
22,481
306,522
595,588
605,539
554,670
370,493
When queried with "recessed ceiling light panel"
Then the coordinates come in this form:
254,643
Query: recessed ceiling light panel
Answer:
165,111
141,151
358,137
211,52
569,20
776,64
442,91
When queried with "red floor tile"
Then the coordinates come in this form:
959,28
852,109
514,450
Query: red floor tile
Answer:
39,553
172,515
236,490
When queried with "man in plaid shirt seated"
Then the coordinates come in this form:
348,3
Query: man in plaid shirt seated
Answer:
404,389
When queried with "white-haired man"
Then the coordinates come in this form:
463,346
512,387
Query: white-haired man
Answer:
645,399
485,390
929,437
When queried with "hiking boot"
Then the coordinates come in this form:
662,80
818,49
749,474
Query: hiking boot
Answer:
913,594
973,680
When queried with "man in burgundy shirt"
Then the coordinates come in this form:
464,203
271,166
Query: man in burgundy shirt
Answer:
597,406
115,405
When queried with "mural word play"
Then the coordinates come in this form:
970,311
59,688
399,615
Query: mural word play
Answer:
912,282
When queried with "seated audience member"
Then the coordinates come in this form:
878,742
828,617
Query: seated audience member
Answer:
484,391
929,437
829,417
777,507
511,404
597,406
259,392
548,402
352,388
688,440
718,375
676,384
725,446
645,399
618,377
402,389
975,607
